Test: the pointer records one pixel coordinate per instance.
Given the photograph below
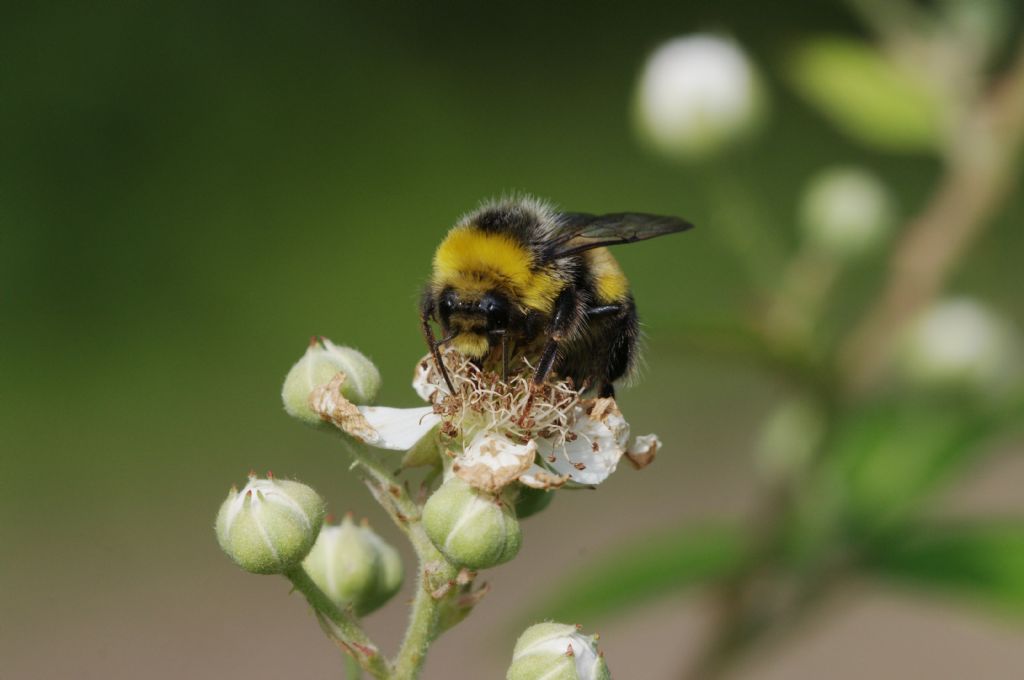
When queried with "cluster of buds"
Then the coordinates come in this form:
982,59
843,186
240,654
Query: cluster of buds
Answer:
502,447
275,526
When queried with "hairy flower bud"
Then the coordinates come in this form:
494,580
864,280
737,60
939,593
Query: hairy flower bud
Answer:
322,361
270,525
846,211
472,528
697,95
555,651
354,566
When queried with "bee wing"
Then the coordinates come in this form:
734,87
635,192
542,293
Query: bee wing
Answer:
581,231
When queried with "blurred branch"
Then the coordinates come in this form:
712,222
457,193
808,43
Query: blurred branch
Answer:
981,167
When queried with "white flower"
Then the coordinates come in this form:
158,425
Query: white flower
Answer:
497,433
696,95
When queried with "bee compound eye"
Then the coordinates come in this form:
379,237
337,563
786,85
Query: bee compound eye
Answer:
496,310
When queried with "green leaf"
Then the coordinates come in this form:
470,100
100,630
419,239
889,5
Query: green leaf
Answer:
653,567
983,561
890,455
866,95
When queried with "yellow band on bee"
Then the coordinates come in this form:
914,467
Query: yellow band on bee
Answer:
610,282
473,260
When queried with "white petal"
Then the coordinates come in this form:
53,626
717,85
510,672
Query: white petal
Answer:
600,439
542,478
388,428
642,451
397,428
427,380
492,461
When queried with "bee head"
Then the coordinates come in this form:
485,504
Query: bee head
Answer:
475,321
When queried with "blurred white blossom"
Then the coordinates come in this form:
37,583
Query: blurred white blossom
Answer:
959,342
788,438
846,211
697,94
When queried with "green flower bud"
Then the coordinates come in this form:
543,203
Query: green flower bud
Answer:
555,651
471,528
352,565
530,501
270,525
321,362
846,211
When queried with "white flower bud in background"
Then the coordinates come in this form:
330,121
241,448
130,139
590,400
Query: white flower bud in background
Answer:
697,95
846,211
354,566
960,344
322,361
269,526
788,438
472,528
555,651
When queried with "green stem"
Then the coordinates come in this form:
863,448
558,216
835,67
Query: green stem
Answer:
391,495
353,671
341,626
437,574
424,618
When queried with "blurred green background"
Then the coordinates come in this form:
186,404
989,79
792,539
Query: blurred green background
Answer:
188,191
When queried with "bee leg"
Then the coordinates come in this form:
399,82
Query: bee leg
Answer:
562,321
623,315
604,310
426,310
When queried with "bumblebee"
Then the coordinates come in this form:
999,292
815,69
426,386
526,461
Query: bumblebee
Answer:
517,278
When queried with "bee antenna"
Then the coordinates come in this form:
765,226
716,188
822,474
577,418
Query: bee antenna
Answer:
428,334
444,371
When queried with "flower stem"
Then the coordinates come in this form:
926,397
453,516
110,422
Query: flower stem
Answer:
341,626
353,671
423,620
437,574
